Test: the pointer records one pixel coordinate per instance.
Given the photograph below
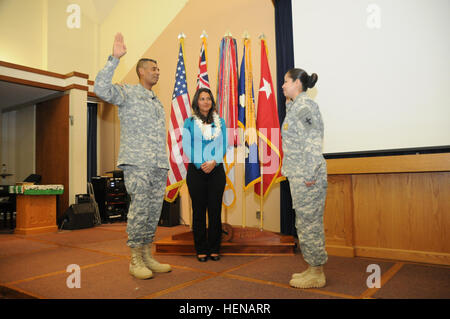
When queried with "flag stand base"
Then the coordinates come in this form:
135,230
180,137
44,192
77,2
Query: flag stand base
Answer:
236,240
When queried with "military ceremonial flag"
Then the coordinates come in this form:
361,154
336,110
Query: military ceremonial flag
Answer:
268,128
180,111
227,102
247,118
202,77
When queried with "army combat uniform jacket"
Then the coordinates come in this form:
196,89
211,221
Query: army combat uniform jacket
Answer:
142,120
302,133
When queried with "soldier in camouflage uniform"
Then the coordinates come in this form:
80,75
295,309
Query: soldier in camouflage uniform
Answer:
305,168
142,154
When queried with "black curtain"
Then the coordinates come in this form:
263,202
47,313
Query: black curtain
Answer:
91,141
285,61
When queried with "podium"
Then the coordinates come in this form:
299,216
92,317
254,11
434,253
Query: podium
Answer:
36,208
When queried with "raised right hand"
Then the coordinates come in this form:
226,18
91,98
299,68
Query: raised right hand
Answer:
119,48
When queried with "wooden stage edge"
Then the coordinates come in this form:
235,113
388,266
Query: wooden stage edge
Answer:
236,240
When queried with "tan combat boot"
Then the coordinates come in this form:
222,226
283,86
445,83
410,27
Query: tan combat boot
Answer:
151,263
137,266
313,277
301,274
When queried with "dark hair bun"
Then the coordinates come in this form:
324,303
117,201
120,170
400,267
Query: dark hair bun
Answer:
312,80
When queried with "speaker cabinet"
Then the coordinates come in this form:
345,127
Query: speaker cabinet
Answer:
170,214
79,216
111,197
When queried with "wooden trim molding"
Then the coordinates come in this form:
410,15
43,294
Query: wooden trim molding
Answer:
76,86
43,85
24,75
43,72
32,83
438,258
76,74
390,164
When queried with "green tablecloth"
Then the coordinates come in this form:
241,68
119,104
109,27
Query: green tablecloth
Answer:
37,189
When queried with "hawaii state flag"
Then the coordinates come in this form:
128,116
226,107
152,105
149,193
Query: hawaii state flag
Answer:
202,78
180,111
268,128
247,118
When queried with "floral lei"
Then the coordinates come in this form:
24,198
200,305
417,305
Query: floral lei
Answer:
207,133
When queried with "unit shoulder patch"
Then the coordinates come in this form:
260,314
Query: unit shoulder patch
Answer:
306,117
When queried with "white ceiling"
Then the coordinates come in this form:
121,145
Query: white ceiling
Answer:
14,95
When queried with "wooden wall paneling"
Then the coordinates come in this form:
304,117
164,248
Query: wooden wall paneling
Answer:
338,216
441,208
116,135
364,211
393,207
433,222
402,216
52,146
108,125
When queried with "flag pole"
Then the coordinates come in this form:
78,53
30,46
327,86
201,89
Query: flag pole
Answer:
261,189
244,216
181,37
227,34
245,36
244,211
190,212
261,197
204,36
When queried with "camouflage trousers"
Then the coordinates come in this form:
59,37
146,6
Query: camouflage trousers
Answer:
309,205
146,187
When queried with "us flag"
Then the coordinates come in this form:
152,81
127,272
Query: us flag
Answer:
202,78
180,111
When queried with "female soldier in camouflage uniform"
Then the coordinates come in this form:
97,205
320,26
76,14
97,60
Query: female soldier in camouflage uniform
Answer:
306,170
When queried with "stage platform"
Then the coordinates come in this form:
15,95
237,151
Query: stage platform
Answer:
236,240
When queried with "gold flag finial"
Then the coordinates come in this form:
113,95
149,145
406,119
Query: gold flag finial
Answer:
228,34
204,35
246,35
262,36
182,36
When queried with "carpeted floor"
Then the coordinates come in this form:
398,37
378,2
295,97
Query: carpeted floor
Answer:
35,266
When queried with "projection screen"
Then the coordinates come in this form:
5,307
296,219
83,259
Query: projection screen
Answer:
383,68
